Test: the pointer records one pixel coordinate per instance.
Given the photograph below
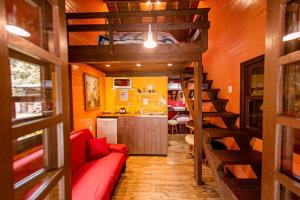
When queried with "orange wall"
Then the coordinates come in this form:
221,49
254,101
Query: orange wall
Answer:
159,84
82,118
237,34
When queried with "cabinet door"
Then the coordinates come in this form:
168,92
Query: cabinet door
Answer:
148,136
139,139
121,131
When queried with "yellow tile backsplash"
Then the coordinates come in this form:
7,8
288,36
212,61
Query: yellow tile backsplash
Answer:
144,102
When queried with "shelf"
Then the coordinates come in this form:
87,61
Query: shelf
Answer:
149,93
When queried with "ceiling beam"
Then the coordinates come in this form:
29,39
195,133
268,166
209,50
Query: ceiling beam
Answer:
133,53
92,15
137,27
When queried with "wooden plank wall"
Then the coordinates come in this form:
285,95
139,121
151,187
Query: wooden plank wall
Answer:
81,117
237,34
82,6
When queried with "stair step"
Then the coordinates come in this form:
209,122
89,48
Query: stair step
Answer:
220,114
190,124
237,157
215,100
215,133
211,93
211,101
244,189
206,83
208,90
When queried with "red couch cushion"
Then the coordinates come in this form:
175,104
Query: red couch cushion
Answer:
120,148
78,148
97,148
96,179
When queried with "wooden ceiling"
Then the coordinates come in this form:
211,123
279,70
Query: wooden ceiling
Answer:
144,5
90,38
139,66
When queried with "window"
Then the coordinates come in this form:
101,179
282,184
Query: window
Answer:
33,89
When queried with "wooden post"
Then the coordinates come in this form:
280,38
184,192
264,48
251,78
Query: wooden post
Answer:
64,147
6,154
198,120
270,144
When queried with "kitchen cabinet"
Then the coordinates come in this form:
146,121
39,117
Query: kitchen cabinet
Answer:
144,135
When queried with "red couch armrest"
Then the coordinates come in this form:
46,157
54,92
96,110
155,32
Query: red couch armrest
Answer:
120,148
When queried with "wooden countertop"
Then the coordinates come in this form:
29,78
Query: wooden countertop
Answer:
130,115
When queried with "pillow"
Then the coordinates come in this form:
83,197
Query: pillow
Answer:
97,148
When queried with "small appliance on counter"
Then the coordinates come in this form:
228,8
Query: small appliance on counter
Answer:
122,110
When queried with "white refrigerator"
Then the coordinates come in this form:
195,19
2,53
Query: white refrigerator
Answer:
108,127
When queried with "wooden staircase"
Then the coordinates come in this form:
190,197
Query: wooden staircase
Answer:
210,96
229,186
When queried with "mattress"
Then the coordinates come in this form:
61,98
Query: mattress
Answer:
136,38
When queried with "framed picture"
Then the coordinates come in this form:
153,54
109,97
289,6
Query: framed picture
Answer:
92,92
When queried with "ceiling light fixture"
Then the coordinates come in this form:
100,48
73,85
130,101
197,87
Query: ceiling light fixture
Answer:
291,36
107,65
138,65
150,43
157,2
170,64
149,2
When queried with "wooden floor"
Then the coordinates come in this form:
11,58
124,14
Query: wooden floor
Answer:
165,178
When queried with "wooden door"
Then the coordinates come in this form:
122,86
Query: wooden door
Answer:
252,88
281,123
34,100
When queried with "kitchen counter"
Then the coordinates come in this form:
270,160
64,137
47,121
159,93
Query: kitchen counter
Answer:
132,115
143,134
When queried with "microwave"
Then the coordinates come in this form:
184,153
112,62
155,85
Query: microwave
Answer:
122,83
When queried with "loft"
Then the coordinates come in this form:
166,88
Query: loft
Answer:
150,99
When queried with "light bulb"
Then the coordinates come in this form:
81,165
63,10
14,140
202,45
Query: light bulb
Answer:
17,30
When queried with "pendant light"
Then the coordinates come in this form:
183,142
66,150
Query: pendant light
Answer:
150,43
12,25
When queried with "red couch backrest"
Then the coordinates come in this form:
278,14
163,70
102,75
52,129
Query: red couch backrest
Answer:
78,147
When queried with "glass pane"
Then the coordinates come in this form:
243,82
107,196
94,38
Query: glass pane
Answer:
56,192
290,152
28,155
291,90
257,81
292,30
255,110
285,194
31,19
33,89
28,152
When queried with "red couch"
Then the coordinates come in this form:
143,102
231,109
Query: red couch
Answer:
95,179
90,179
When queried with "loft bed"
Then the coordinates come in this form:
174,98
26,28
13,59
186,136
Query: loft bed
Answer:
194,43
